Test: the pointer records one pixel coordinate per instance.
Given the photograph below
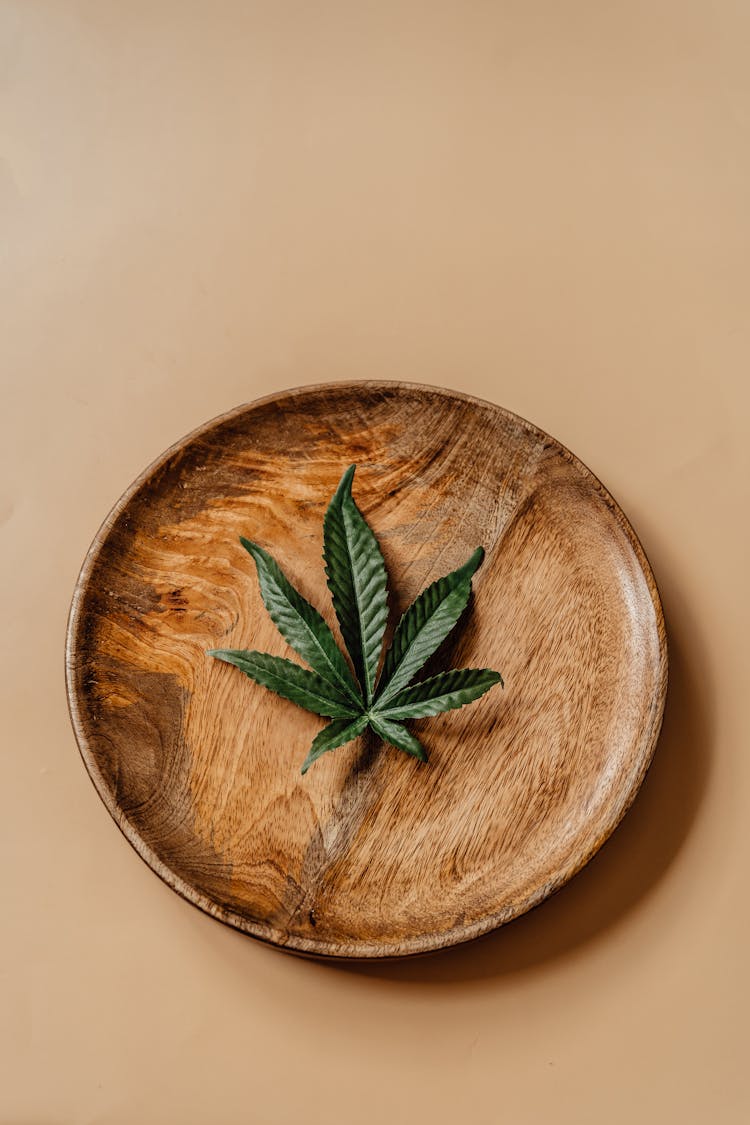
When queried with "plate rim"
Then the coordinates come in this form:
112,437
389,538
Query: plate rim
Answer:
417,944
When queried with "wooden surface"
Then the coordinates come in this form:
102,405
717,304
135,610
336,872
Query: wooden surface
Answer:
371,854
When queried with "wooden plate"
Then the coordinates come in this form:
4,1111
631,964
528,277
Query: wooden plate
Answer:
371,854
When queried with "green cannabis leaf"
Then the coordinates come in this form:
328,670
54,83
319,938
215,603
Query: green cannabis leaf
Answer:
358,583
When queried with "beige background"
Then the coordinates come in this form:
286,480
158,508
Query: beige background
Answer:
542,203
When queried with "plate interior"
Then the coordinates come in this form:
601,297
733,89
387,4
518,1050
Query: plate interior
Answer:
371,853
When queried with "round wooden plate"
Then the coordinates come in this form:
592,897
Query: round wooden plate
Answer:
370,854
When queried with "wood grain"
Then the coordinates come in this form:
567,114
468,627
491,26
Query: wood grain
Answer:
371,854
